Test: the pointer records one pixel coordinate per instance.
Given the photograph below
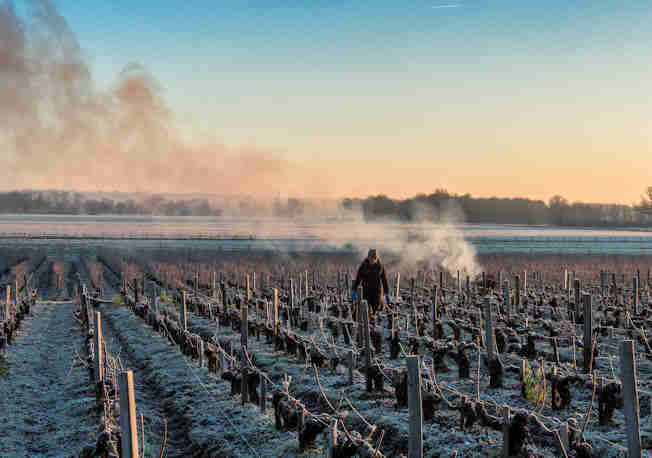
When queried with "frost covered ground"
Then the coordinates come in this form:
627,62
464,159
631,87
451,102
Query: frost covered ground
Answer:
203,419
46,405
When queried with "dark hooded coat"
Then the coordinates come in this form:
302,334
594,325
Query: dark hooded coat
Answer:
372,276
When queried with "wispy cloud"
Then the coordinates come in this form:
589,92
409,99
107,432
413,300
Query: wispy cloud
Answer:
449,5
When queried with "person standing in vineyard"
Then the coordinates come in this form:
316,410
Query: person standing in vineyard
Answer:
371,274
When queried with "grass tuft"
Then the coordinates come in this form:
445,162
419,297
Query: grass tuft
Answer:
536,389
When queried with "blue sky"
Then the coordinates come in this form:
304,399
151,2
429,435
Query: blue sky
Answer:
499,86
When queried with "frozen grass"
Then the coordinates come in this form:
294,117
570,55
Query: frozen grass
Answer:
46,404
195,402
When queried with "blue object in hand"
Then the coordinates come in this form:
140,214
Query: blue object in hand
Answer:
353,296
387,299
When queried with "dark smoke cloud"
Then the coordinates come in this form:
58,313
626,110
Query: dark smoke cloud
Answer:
59,132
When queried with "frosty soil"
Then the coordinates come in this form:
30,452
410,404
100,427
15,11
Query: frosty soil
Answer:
203,417
48,408
361,400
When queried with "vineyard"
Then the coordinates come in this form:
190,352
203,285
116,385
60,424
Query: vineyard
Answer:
175,352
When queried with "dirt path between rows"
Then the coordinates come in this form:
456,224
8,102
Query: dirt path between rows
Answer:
46,409
147,393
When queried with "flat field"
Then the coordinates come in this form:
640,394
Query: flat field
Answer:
309,372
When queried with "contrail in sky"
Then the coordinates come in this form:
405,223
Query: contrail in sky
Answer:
451,5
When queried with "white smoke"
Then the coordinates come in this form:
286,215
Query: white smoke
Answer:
422,245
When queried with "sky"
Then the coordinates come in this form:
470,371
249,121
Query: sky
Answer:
353,98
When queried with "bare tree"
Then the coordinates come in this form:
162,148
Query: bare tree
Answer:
646,199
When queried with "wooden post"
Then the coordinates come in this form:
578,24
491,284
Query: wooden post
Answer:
223,288
508,305
588,333
202,357
506,431
635,295
99,365
263,395
332,440
489,331
300,283
523,370
339,289
268,313
415,438
128,429
184,312
351,364
291,304
302,420
8,303
275,311
397,294
578,288
367,343
603,281
435,311
412,292
299,310
84,308
244,328
630,396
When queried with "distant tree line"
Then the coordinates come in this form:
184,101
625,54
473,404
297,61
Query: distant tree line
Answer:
74,203
442,205
646,201
438,206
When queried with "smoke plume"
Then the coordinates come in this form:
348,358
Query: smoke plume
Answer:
420,246
60,132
